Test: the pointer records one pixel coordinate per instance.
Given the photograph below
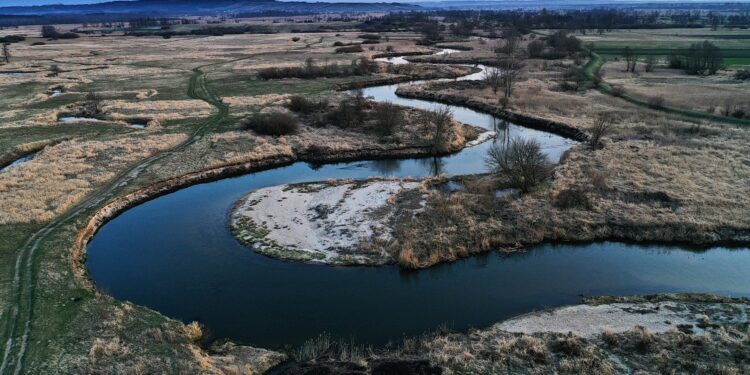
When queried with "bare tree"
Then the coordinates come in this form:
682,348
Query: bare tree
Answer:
54,71
520,164
601,127
650,62
441,118
92,107
492,78
630,59
509,72
6,53
388,117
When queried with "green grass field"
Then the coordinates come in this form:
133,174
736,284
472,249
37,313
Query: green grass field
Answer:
734,44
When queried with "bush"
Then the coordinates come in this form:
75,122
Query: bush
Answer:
572,198
535,49
370,37
349,113
12,39
338,44
274,123
521,164
295,39
440,118
601,127
300,104
68,36
656,102
349,49
739,113
358,67
618,91
388,117
742,74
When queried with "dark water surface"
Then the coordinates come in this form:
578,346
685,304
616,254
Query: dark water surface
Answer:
175,254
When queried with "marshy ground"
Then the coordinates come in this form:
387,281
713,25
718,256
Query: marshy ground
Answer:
658,176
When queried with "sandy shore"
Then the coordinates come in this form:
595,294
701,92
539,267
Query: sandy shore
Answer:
333,222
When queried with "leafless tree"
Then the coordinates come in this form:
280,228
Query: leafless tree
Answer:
6,53
388,117
92,107
601,127
440,118
492,78
54,71
520,164
631,59
509,72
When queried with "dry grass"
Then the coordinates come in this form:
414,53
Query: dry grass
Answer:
655,178
62,175
709,94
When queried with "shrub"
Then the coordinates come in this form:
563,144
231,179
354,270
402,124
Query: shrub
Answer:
349,49
440,118
360,66
388,117
12,39
573,198
92,106
739,113
349,113
300,104
742,74
274,123
338,44
68,36
295,39
656,102
675,62
601,127
370,36
521,164
535,49
618,91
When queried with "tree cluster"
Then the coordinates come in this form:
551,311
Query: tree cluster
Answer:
700,59
358,67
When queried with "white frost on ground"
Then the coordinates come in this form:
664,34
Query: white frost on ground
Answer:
483,137
588,321
323,220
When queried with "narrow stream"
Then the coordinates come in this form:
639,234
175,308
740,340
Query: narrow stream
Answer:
175,254
19,161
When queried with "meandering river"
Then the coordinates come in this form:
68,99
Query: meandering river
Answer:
175,254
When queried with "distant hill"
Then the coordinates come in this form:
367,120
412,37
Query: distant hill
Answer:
204,7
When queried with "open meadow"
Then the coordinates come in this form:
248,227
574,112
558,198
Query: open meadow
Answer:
353,142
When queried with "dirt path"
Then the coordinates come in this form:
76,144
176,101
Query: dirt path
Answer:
595,64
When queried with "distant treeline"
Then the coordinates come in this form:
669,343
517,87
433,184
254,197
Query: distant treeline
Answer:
466,22
213,30
358,67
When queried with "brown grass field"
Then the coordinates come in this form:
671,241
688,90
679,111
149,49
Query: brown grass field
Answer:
658,177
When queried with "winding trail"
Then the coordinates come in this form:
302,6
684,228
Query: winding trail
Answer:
591,71
20,312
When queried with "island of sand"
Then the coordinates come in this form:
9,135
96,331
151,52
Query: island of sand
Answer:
334,222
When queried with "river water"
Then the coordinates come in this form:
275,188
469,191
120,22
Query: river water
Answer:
175,254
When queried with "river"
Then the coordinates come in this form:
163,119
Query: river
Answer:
175,254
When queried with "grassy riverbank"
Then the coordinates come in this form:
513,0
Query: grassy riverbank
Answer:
657,177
